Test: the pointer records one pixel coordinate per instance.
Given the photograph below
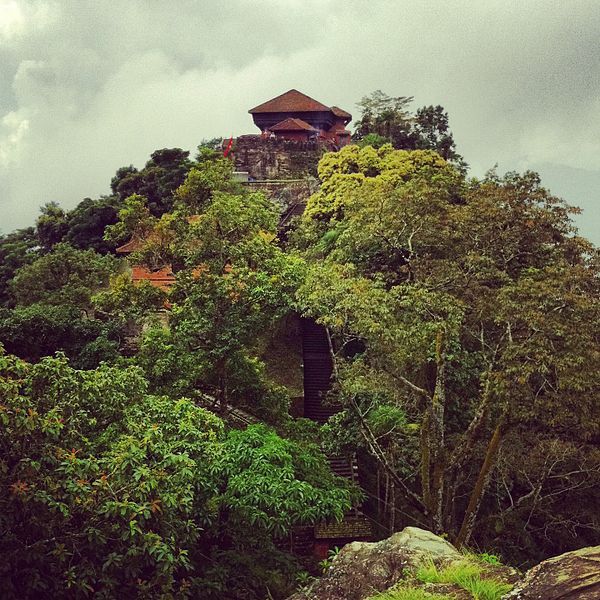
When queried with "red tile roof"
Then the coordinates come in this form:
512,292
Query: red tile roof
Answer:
162,278
292,124
131,246
338,112
291,101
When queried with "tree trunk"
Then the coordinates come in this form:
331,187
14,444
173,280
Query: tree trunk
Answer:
462,452
432,443
223,399
480,486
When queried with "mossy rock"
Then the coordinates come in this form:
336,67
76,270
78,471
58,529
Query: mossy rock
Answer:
571,576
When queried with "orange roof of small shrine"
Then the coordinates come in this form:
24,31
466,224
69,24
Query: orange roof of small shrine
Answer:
162,278
292,124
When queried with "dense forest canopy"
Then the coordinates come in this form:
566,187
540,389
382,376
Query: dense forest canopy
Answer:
464,325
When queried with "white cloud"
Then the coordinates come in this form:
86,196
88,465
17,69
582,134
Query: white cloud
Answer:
13,129
17,18
12,19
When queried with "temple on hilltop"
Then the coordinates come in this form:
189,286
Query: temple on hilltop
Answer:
296,116
295,131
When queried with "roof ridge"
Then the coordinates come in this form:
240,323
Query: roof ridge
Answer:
290,101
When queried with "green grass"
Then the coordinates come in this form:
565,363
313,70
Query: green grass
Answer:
487,589
468,576
408,593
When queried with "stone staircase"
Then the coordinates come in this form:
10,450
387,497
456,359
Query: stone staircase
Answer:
318,368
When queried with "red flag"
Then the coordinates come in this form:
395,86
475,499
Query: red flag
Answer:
228,149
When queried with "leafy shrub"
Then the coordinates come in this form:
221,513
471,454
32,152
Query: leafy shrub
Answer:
108,491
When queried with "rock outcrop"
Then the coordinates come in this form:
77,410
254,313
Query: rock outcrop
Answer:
571,576
362,569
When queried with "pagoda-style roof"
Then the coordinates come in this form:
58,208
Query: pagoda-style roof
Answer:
290,101
292,124
338,112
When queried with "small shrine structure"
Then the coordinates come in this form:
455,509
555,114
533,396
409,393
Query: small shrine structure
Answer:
162,277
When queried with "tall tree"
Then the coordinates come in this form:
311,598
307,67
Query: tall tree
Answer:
161,176
17,249
232,282
464,303
51,225
387,118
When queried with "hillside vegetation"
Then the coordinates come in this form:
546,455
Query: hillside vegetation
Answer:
464,323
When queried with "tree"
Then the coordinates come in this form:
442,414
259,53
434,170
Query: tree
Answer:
87,222
51,225
232,283
64,276
38,330
460,308
388,119
108,491
433,133
17,249
161,176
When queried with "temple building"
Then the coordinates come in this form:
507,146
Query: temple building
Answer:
296,116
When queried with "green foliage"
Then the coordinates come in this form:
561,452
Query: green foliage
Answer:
87,222
468,576
232,283
51,225
135,221
373,139
38,330
162,175
409,593
64,276
354,174
108,491
125,301
388,118
327,562
483,557
466,308
213,174
17,249
464,321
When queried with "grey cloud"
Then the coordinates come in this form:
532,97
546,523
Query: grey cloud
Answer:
89,86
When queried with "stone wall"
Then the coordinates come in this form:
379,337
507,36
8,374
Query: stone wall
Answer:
276,158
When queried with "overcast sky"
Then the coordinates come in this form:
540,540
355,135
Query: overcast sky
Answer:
87,86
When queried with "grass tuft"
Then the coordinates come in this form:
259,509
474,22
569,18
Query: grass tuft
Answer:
466,575
408,593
